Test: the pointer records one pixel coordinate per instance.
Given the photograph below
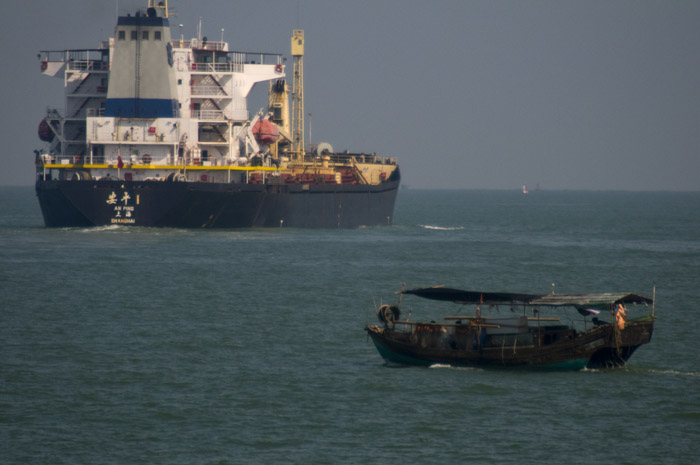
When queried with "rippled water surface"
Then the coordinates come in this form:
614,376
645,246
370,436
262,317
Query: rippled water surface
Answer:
132,345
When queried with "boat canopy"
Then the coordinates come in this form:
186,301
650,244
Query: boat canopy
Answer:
469,297
551,300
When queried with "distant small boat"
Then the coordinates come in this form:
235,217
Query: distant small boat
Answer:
520,337
524,189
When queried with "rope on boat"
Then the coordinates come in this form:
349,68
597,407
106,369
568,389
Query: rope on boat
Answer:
388,313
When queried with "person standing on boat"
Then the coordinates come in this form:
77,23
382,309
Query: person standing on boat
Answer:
621,316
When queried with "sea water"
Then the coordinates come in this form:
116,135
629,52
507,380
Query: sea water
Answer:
133,345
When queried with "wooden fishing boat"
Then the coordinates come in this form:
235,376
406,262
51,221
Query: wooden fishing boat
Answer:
514,330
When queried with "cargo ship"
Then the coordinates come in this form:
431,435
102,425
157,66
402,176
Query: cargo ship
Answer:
156,132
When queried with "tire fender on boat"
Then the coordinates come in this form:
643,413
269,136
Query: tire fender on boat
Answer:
388,313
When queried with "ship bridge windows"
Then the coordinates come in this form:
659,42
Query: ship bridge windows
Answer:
121,35
156,35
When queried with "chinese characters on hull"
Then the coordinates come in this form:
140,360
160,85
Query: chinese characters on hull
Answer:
123,212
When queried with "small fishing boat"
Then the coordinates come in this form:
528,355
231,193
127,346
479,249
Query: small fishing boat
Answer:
515,330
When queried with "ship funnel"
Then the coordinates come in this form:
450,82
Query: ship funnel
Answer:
142,78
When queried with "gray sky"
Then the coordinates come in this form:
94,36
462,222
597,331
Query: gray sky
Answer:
600,94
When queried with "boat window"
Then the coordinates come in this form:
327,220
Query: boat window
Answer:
134,35
156,35
144,35
122,35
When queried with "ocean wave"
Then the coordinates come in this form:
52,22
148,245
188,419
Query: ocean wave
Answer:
638,370
452,367
111,227
675,373
441,228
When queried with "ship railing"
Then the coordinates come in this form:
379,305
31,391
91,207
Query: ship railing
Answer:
203,45
200,45
145,162
87,65
217,67
193,170
85,59
432,327
233,61
94,112
261,58
216,115
208,90
58,159
345,158
240,58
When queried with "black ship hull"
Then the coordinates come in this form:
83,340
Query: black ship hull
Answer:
78,203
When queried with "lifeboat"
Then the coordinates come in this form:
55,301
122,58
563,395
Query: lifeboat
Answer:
45,132
265,132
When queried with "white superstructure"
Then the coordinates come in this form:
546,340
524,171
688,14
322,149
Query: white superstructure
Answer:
152,106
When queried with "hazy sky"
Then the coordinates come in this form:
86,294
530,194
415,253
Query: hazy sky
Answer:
467,94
